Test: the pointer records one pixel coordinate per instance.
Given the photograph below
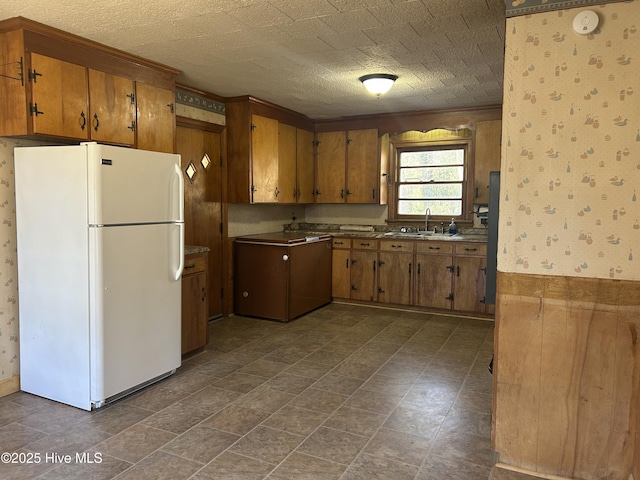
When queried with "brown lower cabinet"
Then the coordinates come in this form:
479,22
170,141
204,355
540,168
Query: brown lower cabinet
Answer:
445,275
194,303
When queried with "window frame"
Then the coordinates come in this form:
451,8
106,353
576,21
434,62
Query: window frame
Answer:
467,184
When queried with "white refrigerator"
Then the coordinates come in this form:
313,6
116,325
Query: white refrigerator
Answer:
100,233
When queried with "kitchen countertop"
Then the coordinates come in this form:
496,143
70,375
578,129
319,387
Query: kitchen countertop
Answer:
285,238
459,237
193,249
384,232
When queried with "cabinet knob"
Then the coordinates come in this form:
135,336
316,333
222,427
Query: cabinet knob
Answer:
204,294
285,257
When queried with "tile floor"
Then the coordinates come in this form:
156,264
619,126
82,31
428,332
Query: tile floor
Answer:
346,392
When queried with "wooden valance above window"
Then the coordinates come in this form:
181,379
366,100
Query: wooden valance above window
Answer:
526,7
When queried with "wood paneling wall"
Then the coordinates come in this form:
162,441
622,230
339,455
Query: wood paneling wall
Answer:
567,375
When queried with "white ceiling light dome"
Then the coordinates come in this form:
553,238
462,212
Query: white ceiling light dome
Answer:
378,83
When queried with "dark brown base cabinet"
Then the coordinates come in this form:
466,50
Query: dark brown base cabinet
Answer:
280,276
194,303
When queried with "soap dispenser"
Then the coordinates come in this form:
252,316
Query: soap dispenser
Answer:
453,228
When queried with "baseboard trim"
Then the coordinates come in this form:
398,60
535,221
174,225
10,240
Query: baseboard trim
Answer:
524,471
9,385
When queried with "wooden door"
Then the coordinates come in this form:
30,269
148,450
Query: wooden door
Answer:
395,277
156,121
363,275
469,284
433,281
203,204
487,156
112,108
330,167
59,98
264,159
363,158
341,273
287,149
305,166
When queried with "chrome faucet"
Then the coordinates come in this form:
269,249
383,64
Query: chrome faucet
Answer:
426,219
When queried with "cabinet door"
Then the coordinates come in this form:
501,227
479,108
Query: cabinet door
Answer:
156,118
363,275
395,278
433,281
112,107
264,159
286,187
363,161
59,103
341,273
330,167
305,166
487,156
469,284
194,312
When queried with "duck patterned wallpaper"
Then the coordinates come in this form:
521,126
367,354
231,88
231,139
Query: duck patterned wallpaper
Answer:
570,185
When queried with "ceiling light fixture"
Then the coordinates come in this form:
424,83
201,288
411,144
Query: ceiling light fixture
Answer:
378,83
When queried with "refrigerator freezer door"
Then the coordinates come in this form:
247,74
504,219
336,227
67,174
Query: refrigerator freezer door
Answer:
136,305
129,186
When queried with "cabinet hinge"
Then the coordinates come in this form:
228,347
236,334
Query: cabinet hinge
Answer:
252,127
132,97
33,76
33,109
132,127
170,105
20,71
315,143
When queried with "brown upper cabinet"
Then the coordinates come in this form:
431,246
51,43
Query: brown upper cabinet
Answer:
60,86
270,155
487,156
348,167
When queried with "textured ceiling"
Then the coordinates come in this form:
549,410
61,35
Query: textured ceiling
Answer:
305,55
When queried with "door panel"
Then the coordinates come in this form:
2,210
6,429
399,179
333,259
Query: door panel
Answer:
330,169
433,281
112,108
363,275
60,93
203,204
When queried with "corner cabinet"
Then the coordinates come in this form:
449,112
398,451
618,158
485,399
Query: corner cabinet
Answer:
59,86
348,167
194,303
270,156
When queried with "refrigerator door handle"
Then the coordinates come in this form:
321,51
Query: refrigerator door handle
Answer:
180,199
178,272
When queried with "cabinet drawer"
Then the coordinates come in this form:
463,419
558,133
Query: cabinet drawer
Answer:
364,244
396,246
340,242
434,248
471,249
196,263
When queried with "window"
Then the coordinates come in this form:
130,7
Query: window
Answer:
431,177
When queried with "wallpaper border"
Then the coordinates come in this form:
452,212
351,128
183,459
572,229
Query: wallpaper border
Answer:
526,7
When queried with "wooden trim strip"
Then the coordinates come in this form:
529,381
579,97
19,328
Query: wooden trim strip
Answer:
9,385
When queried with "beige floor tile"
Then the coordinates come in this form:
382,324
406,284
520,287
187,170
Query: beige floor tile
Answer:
334,445
299,421
289,383
236,419
201,443
230,466
265,399
352,420
14,436
267,444
239,382
438,468
211,399
367,467
298,466
135,443
319,400
103,467
333,382
161,466
177,418
399,446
